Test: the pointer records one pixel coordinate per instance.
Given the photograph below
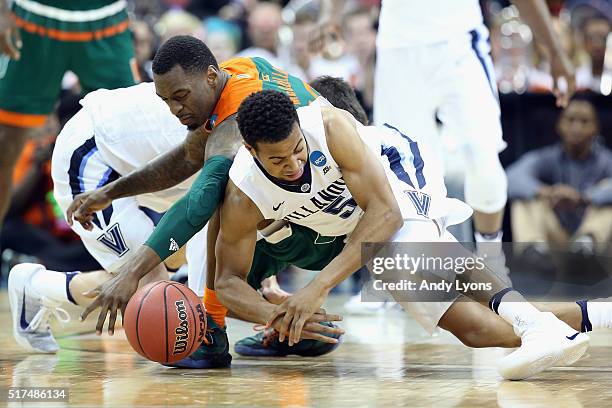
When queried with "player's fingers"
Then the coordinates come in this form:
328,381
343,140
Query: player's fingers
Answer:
82,210
102,318
323,329
325,318
8,47
296,329
112,318
319,337
123,306
71,208
92,306
92,293
285,324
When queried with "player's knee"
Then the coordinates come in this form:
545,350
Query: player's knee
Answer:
486,184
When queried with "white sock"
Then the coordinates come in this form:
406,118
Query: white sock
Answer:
490,244
600,313
52,284
516,310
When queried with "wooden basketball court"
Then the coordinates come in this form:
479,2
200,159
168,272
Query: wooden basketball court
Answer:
385,361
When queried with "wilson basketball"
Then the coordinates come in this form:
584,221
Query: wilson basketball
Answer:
165,321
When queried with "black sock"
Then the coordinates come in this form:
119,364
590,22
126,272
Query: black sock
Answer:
496,299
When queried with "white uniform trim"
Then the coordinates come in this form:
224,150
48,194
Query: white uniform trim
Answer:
71,16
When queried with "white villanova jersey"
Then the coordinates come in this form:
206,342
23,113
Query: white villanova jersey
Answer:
131,127
321,200
406,23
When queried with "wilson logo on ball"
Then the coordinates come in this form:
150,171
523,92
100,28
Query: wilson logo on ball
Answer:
182,331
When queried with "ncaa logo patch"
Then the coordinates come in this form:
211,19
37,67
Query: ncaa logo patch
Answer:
318,158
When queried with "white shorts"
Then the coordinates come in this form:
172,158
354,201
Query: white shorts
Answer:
78,165
452,80
427,314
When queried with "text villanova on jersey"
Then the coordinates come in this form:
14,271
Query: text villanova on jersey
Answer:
329,200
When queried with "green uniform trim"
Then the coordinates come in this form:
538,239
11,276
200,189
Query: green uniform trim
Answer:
191,213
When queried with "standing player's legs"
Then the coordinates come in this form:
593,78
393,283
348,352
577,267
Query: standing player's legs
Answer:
27,95
12,140
405,96
469,109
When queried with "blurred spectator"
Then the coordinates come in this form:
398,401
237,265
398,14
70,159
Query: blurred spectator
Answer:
302,28
594,33
264,22
178,22
563,192
222,37
360,34
143,46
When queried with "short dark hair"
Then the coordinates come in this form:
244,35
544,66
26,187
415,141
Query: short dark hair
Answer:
266,116
340,94
184,50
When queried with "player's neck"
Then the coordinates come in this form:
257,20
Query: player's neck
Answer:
223,78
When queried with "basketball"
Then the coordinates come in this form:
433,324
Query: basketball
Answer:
165,321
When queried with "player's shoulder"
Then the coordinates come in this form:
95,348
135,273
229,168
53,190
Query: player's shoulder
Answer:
334,120
238,201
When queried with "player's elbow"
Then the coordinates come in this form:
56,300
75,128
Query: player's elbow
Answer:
393,218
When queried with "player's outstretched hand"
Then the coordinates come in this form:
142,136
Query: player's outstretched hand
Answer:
111,296
10,39
84,206
296,310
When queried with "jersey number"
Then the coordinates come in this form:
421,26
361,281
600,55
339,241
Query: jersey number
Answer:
336,207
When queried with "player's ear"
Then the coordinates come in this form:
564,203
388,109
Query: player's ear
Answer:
211,75
250,148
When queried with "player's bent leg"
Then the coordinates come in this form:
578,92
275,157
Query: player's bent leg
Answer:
12,140
476,326
583,315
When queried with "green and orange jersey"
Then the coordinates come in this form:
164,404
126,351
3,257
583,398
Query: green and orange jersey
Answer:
249,75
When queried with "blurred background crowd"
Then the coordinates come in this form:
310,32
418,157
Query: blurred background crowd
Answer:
279,31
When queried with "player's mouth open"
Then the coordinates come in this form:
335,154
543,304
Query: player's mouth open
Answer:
294,176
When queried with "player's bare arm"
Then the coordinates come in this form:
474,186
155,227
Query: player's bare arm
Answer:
10,39
366,180
164,172
535,13
234,253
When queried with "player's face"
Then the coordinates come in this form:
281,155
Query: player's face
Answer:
284,160
578,126
190,96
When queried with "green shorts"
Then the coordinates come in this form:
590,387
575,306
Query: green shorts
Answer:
305,249
100,52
